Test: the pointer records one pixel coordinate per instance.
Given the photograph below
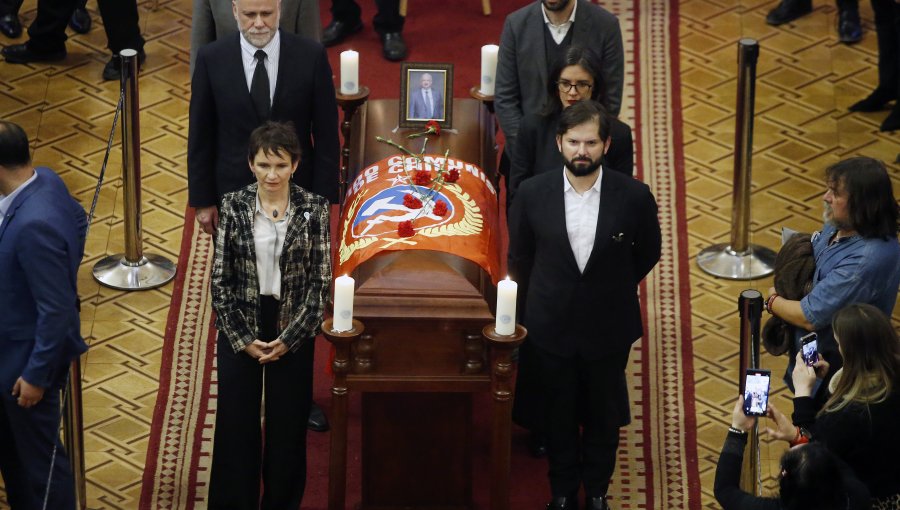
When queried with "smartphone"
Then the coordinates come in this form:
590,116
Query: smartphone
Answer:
756,392
809,348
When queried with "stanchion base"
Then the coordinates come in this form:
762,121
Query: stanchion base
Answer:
153,271
720,260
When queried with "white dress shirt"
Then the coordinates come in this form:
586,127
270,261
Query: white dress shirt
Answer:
248,57
268,238
559,31
7,200
582,213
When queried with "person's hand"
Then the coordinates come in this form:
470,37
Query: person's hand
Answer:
207,218
739,420
276,349
784,429
804,377
256,349
28,394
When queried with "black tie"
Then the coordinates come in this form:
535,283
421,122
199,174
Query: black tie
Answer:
259,87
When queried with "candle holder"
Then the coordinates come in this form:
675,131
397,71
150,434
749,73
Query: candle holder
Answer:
349,103
337,466
502,370
488,101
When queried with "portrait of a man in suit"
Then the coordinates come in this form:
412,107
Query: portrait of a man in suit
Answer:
426,97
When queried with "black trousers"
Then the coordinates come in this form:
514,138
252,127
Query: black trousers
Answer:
387,19
585,402
243,453
887,31
27,437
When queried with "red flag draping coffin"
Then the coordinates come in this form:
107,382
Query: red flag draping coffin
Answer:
378,203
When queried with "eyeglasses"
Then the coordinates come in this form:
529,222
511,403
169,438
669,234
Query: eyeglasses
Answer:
582,87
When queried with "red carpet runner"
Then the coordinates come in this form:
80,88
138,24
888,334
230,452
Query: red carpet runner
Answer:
657,465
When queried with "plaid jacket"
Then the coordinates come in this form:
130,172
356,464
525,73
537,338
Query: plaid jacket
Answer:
305,269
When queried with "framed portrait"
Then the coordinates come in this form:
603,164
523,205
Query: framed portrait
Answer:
426,93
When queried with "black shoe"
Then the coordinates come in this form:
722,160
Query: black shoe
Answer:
849,29
537,445
788,10
337,31
394,48
892,122
20,54
876,101
318,422
80,20
10,26
563,503
598,503
113,71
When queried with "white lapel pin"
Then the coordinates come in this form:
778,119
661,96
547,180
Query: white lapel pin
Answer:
306,215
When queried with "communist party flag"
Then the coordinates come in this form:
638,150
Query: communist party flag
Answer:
403,203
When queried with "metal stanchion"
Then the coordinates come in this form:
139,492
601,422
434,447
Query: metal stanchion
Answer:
750,306
73,432
133,270
740,260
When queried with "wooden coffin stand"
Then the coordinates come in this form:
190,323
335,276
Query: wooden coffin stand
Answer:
423,344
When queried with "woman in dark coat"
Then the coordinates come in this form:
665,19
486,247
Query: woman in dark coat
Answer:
574,78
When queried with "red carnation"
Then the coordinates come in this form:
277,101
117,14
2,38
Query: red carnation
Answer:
406,229
440,208
412,202
422,178
452,176
433,126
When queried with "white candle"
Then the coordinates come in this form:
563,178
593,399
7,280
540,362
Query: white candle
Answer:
506,307
488,68
349,72
343,303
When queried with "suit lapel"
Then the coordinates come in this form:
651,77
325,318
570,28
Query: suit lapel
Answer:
556,212
610,205
234,71
298,219
534,24
20,199
284,61
582,26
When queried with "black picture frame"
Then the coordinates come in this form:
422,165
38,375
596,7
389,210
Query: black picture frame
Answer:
413,105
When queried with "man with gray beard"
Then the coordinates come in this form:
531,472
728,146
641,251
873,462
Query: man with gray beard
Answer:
857,256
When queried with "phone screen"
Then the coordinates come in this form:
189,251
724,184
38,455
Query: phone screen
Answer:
756,392
810,349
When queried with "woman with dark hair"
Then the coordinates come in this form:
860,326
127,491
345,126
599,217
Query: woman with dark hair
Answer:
574,78
861,418
811,478
270,281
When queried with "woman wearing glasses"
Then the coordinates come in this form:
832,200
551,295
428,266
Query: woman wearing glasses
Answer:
574,78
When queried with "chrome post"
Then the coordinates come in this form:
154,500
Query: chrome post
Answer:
750,306
738,259
132,270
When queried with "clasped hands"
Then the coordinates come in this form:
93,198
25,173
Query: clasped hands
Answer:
266,352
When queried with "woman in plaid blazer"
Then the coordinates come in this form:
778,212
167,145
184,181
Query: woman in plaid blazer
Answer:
270,281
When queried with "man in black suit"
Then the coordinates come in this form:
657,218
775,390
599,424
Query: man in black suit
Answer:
241,81
238,83
580,242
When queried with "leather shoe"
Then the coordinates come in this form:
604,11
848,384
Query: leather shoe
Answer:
876,101
80,20
21,54
318,422
849,29
337,31
113,70
394,48
10,26
563,503
892,122
598,503
537,445
787,11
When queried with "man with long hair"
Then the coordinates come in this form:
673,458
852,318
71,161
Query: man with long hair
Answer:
857,254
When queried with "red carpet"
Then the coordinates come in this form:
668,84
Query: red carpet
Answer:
657,465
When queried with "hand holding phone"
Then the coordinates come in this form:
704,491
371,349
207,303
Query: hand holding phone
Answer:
809,349
756,391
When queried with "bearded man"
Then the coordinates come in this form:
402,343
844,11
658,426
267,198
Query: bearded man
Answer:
857,257
581,239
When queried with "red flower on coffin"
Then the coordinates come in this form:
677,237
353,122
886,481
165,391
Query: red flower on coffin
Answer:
452,176
440,208
406,229
412,202
422,178
433,126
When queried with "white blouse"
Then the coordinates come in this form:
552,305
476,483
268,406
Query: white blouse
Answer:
268,238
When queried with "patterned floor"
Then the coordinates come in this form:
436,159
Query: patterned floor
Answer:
806,80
